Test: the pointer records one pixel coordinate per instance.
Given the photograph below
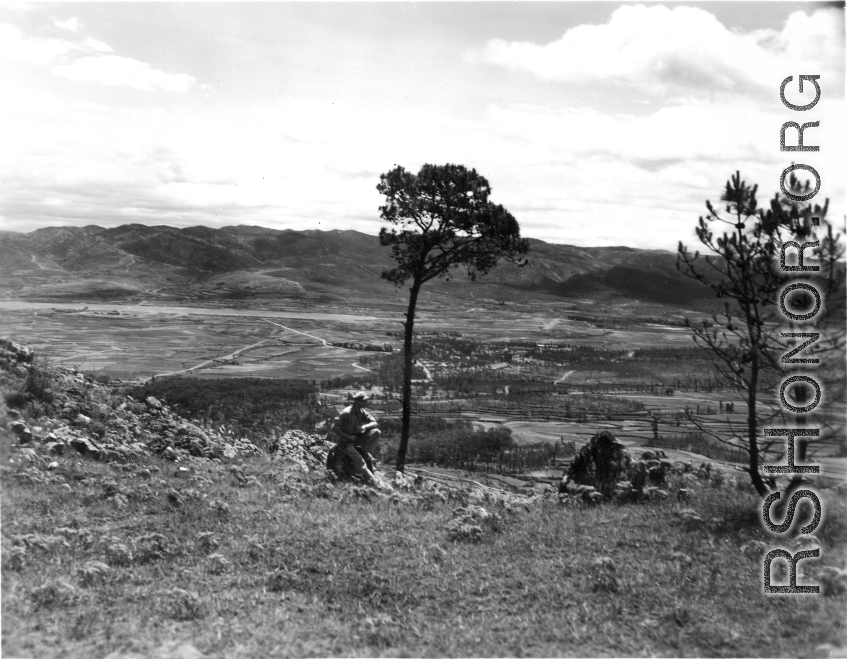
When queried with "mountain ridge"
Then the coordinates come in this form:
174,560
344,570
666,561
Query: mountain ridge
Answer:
165,262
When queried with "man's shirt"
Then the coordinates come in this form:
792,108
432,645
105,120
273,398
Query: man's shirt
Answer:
350,422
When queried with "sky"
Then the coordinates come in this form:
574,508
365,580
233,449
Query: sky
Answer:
596,123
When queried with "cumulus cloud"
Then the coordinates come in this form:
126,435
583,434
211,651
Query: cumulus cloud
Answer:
71,25
17,47
115,70
582,172
660,49
701,101
86,60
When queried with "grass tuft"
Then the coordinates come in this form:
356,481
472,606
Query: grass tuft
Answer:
295,565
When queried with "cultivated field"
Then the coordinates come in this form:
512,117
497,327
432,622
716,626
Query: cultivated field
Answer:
247,556
137,342
134,343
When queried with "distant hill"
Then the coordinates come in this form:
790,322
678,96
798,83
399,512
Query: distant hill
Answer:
160,262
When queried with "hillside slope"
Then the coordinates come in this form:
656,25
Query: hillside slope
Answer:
135,261
241,556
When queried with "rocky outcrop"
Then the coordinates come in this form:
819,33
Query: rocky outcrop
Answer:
14,354
301,448
69,411
651,470
84,416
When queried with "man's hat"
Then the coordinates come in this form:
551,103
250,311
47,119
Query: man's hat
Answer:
361,395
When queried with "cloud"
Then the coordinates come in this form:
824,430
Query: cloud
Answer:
718,111
579,172
71,25
16,47
661,50
20,7
815,39
87,60
732,131
115,70
568,174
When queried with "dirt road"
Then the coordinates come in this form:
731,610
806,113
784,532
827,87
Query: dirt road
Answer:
317,338
214,360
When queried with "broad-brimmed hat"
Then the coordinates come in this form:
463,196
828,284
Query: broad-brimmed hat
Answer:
360,395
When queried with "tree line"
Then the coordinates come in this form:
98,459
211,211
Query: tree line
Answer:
247,405
457,444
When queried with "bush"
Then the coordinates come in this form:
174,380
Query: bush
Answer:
184,605
53,593
457,444
37,387
38,382
245,404
17,399
97,429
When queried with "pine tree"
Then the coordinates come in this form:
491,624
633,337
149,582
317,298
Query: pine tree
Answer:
743,270
441,220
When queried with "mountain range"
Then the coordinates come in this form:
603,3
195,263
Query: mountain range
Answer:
134,262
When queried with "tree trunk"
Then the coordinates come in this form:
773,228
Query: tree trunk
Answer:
753,431
800,444
407,375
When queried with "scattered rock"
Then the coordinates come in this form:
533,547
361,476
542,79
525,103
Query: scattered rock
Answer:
21,431
405,482
682,559
55,448
690,516
101,423
15,353
603,575
833,581
86,447
604,562
300,448
469,522
174,498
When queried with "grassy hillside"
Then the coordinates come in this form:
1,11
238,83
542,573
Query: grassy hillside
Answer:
104,557
153,549
198,261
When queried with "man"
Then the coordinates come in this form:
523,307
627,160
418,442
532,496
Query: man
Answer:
355,426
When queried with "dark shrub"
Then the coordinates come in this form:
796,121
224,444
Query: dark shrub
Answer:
17,399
